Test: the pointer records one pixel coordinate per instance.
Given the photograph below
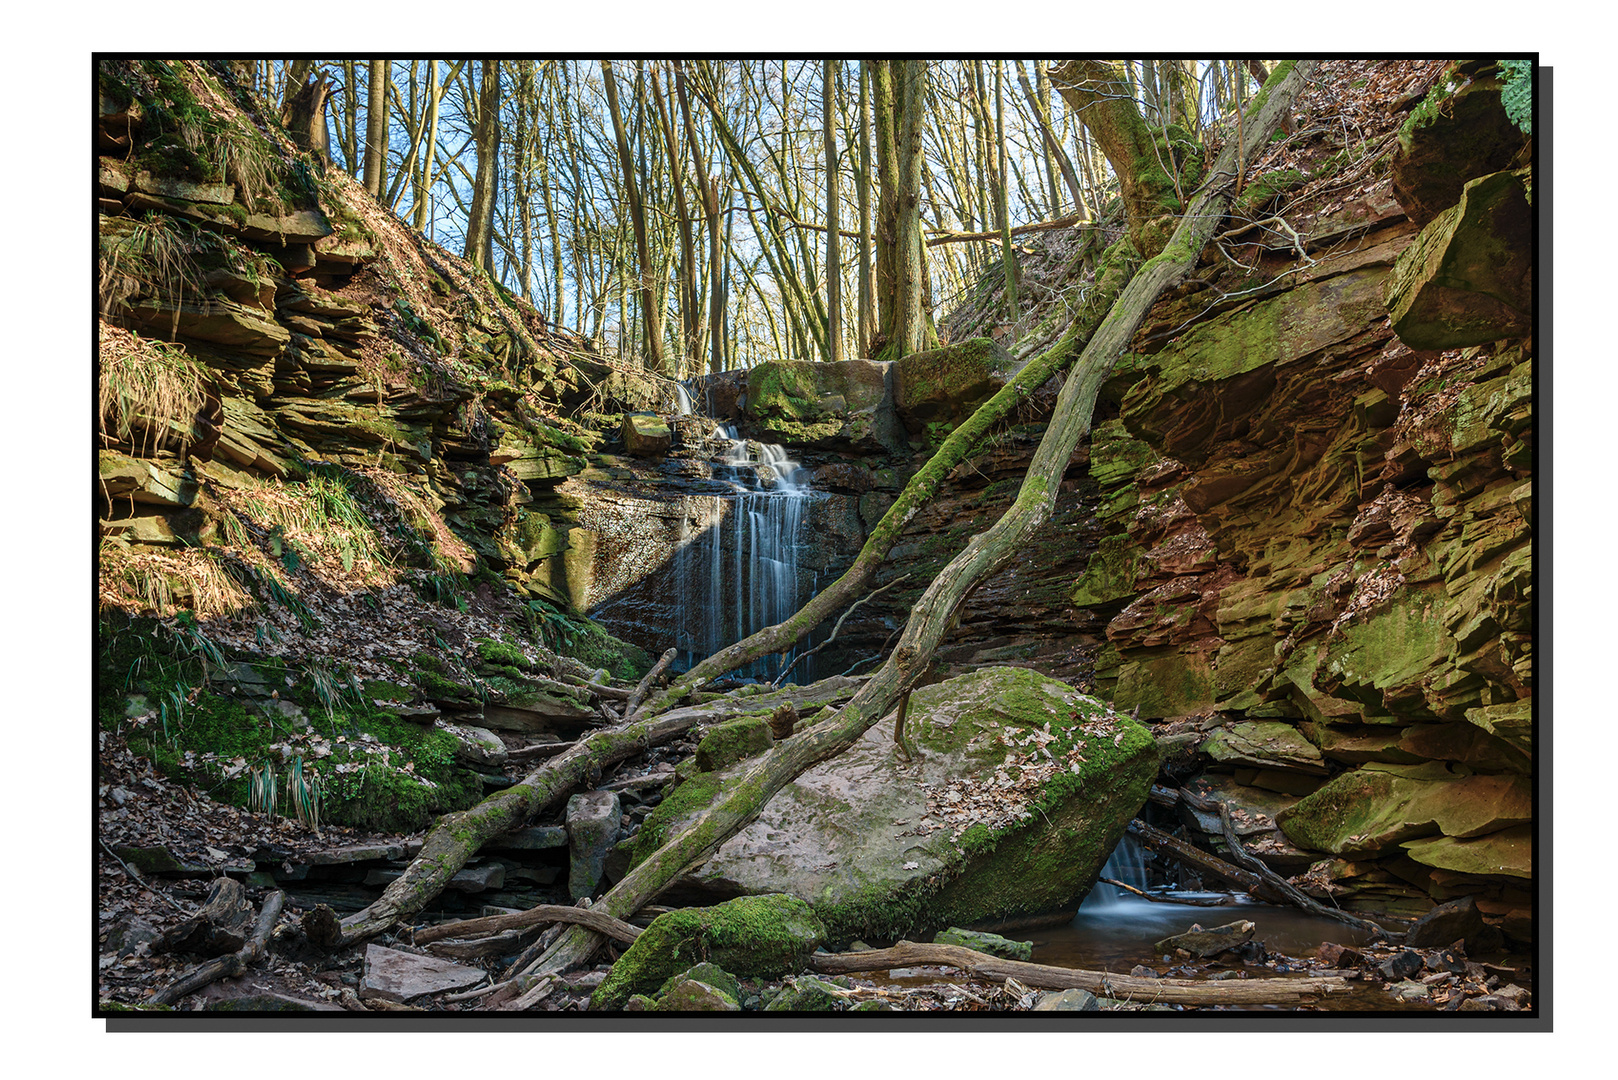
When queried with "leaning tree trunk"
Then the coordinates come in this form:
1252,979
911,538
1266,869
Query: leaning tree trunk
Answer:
931,616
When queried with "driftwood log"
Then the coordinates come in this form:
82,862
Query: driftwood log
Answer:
1103,983
534,916
231,964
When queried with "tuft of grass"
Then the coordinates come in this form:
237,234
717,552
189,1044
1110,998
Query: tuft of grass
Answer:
149,392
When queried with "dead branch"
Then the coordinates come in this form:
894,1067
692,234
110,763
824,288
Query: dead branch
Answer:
231,964
648,679
534,916
943,237
836,628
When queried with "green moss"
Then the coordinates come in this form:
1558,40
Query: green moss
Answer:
401,776
501,653
686,798
599,649
730,742
751,936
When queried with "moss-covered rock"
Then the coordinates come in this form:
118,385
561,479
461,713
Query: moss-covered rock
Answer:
1377,807
751,936
1023,788
838,406
730,742
985,942
936,389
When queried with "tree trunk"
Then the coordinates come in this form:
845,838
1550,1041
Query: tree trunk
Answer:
834,262
904,322
637,213
1098,90
690,326
376,128
932,614
1007,255
1053,146
423,184
304,116
486,135
867,313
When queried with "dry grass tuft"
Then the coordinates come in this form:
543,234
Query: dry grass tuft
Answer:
150,392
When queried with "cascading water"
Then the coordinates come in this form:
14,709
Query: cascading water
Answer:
682,399
741,574
1127,864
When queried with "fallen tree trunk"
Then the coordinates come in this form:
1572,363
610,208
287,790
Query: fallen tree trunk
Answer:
455,838
932,614
231,964
1101,983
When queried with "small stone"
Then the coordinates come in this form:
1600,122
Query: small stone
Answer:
1068,1001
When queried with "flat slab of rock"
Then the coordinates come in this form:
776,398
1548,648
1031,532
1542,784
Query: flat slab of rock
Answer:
534,838
393,975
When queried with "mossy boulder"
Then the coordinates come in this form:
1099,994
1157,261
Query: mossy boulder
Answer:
984,942
646,435
750,936
1459,132
806,995
1378,807
730,742
842,406
1023,787
936,389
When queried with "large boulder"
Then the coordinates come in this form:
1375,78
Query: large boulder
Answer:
842,406
1460,131
936,389
1023,787
750,936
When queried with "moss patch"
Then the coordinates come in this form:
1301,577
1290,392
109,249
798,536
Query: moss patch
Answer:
751,936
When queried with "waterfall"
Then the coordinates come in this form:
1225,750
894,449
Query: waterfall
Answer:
682,399
741,574
1127,864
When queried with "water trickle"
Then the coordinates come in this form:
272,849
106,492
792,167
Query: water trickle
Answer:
1127,864
682,399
